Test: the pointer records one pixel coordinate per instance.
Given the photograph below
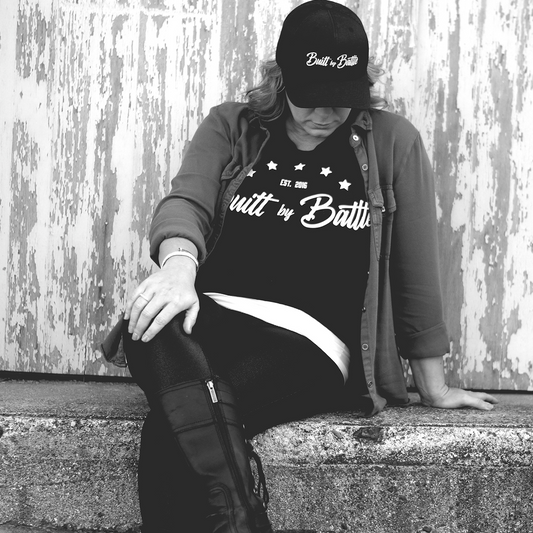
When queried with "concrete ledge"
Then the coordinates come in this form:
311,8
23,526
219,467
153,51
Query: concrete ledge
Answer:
68,458
68,454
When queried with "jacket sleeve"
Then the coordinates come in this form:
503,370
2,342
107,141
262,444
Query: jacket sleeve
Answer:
414,261
189,209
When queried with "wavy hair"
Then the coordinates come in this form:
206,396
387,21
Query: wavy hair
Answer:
268,100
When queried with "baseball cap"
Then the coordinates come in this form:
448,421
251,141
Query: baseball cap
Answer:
323,55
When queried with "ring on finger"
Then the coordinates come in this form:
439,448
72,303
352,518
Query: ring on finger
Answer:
144,297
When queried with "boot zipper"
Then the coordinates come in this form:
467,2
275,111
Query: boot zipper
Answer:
212,391
228,447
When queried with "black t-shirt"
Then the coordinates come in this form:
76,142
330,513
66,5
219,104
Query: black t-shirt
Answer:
297,232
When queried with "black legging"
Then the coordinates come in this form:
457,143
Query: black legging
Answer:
277,376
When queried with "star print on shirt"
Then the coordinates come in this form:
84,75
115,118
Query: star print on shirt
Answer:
326,171
344,185
251,173
299,166
272,166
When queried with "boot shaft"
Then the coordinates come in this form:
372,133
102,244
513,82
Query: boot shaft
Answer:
204,421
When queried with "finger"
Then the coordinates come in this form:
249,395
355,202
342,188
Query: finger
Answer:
141,305
483,406
133,298
161,319
481,401
488,397
191,316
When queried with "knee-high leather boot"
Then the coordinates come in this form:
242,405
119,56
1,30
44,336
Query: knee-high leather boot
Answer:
204,422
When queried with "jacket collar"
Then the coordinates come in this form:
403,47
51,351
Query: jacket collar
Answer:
363,120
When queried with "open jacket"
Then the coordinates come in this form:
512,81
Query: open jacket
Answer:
402,313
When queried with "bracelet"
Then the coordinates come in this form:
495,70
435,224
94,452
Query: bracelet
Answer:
183,252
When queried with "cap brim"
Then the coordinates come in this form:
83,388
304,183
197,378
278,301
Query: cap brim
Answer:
354,94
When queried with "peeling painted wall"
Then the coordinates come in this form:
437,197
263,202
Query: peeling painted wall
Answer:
99,98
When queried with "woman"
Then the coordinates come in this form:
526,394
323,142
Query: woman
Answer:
298,256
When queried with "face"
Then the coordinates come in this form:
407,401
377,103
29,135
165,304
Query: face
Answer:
316,123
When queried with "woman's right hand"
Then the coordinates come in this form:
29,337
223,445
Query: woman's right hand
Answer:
162,296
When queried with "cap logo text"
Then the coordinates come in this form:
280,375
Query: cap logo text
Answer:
326,61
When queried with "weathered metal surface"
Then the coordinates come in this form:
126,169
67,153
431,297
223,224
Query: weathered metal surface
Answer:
100,97
104,96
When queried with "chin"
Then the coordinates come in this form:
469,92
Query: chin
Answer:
321,132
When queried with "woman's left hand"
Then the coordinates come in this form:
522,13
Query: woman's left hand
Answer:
453,398
434,392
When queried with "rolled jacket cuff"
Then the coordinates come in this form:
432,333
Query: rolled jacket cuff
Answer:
432,342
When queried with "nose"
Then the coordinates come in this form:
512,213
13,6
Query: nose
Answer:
323,111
